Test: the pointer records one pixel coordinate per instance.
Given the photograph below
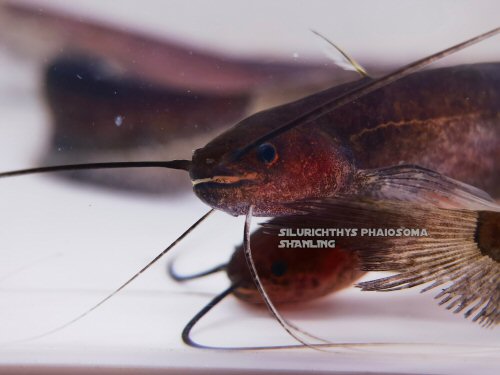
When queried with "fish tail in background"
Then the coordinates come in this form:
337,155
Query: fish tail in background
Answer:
416,184
459,251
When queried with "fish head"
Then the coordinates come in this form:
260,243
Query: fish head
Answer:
291,273
304,162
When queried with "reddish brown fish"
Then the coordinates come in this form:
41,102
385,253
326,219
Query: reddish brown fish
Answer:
442,119
456,250
292,275
445,119
264,163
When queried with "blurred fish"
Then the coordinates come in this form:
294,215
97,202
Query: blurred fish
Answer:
117,95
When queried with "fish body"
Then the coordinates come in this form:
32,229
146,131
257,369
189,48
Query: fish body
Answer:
444,119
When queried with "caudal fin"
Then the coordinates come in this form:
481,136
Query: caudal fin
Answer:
458,250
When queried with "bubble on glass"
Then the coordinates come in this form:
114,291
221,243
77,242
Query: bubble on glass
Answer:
118,120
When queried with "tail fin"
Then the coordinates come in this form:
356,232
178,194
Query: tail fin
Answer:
460,252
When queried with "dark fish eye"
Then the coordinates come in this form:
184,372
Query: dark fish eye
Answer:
267,153
279,268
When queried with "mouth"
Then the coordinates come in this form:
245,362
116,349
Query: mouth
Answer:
225,180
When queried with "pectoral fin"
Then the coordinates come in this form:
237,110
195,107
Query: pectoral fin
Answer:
416,184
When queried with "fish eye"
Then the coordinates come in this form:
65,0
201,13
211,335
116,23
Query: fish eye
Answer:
278,268
267,153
